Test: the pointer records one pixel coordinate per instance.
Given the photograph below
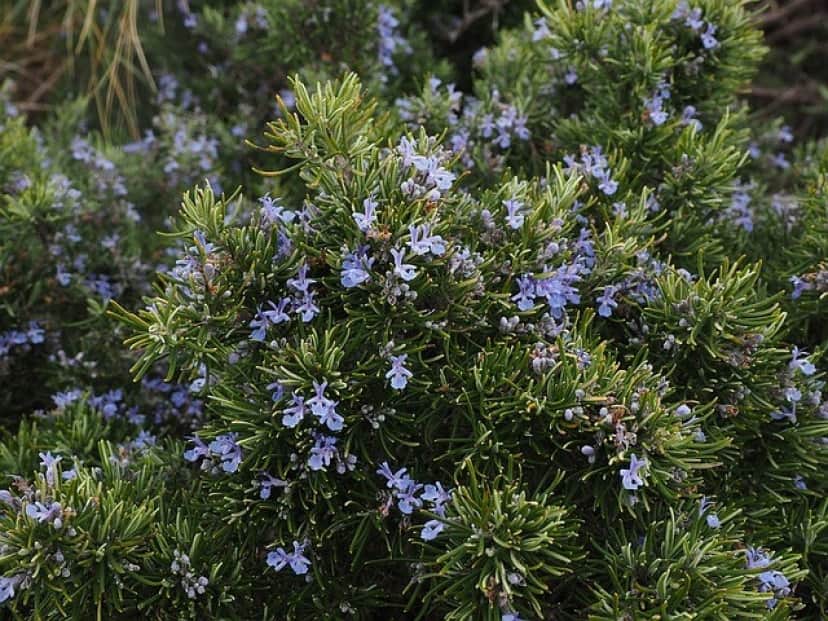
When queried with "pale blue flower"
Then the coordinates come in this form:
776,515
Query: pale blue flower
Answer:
297,560
398,374
432,529
631,477
514,213
366,219
406,271
293,415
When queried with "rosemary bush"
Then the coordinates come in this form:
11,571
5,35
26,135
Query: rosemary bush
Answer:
547,348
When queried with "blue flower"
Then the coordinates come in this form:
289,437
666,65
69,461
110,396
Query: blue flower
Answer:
325,409
756,558
432,529
683,410
395,480
273,213
800,363
607,301
708,38
294,414
226,448
389,40
423,242
7,586
322,452
50,462
631,477
406,271
307,308
398,374
267,484
407,497
356,268
297,560
541,30
712,519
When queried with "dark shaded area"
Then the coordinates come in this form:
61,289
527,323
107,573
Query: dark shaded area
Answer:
793,79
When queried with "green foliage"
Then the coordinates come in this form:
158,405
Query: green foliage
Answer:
547,345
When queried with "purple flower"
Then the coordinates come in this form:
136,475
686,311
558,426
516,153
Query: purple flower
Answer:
631,477
514,213
799,286
398,374
366,219
50,512
297,560
272,212
525,297
50,462
301,284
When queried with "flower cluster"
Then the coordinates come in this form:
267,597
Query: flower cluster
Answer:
222,454
593,164
389,41
411,496
13,341
770,580
692,19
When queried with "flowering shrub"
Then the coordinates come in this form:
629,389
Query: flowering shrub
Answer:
551,348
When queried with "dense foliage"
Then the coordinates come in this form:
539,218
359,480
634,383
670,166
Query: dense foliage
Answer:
535,331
